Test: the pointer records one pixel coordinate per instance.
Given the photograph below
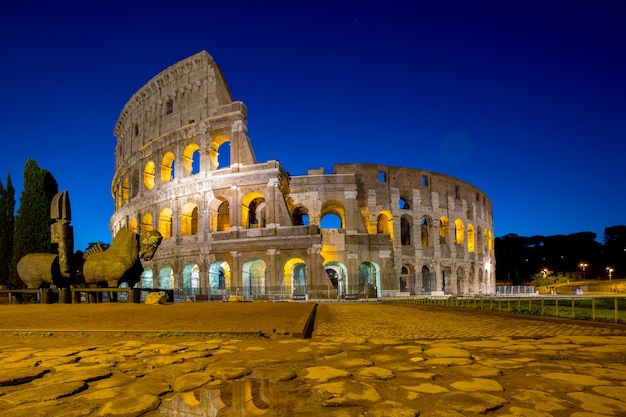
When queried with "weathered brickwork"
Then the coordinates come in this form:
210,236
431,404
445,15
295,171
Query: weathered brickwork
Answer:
231,225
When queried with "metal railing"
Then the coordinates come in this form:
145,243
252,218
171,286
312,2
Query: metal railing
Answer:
581,307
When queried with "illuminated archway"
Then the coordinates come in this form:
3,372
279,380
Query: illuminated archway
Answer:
146,223
166,278
253,211
459,232
444,225
189,219
149,173
254,274
219,215
294,277
425,231
384,223
470,238
191,278
219,152
338,277
165,223
219,277
167,167
133,225
147,278
191,159
369,279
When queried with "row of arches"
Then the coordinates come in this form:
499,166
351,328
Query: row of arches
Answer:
162,170
446,279
475,240
253,280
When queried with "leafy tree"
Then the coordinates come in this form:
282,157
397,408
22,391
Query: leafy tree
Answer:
7,222
615,249
32,223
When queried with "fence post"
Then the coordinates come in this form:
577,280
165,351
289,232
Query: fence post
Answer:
573,308
616,315
556,301
541,306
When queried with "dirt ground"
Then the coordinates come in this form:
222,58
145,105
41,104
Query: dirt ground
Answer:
52,324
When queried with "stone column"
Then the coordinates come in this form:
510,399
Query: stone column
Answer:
236,283
272,273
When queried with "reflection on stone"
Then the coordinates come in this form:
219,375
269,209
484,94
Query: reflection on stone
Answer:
236,399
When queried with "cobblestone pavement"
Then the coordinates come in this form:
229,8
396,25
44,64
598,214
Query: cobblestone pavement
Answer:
363,359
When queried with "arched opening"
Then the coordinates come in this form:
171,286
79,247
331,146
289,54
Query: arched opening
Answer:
125,191
369,279
146,223
470,238
338,277
191,279
405,230
384,224
294,277
133,225
219,152
219,277
460,278
254,274
166,278
330,221
479,240
446,280
189,219
165,223
424,232
407,279
167,167
134,183
428,279
333,215
149,173
147,278
443,230
191,159
253,211
459,232
300,216
403,203
219,215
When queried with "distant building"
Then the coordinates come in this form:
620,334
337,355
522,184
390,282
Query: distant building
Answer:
185,166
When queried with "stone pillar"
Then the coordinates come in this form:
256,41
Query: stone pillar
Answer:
272,273
236,284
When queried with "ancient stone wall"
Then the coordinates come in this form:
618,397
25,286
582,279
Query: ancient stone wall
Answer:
232,225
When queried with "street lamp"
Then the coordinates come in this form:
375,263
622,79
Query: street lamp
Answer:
584,266
610,271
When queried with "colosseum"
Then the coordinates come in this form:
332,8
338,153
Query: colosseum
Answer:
185,166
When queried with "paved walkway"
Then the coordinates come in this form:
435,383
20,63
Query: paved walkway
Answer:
362,359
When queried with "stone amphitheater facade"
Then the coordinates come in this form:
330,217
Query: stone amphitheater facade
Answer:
185,166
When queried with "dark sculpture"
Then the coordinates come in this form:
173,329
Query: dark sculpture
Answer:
121,262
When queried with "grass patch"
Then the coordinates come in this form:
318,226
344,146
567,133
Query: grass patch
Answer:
170,334
32,334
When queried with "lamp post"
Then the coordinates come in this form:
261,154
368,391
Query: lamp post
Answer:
584,265
610,271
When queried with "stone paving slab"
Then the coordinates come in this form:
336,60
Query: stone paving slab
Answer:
362,359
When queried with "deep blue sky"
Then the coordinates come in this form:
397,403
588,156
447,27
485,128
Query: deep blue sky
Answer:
524,99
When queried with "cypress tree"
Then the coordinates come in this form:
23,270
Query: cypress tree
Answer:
7,222
32,223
